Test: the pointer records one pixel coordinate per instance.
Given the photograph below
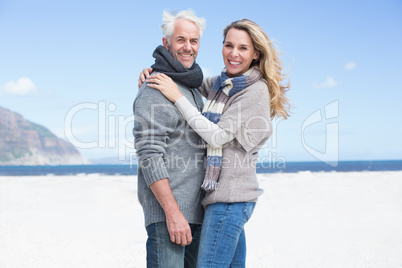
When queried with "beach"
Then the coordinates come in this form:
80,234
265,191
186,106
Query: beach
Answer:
305,219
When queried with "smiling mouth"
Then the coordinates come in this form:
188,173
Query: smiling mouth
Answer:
186,55
234,62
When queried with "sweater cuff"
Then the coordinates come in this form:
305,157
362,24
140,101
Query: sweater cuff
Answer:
154,169
239,133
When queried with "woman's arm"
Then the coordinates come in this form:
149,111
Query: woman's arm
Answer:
210,132
204,89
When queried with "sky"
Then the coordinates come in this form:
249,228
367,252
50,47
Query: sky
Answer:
72,66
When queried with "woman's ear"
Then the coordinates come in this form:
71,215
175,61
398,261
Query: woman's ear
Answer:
256,55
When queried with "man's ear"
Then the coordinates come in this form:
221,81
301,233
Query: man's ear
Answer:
165,43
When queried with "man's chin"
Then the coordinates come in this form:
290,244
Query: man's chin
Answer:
187,64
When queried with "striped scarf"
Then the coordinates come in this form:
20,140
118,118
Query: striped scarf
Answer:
223,88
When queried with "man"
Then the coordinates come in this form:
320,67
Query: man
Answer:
170,167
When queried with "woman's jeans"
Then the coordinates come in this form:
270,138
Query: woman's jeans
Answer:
223,241
162,253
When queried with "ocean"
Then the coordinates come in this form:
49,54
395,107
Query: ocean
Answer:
266,167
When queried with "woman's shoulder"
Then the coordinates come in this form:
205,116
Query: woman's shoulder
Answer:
254,97
259,85
206,86
259,89
209,81
211,78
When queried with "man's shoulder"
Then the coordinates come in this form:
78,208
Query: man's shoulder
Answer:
148,95
151,103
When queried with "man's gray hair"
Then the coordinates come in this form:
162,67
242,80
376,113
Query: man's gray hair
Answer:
170,18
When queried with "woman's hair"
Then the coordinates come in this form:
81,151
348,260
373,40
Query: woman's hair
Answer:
170,18
269,65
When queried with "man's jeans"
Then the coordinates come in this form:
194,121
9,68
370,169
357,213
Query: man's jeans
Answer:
223,241
162,253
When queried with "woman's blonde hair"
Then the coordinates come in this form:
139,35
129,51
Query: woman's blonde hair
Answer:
269,65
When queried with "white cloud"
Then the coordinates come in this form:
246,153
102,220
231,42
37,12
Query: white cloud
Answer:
350,65
22,87
330,82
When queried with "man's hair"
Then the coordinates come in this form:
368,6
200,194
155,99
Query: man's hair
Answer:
170,18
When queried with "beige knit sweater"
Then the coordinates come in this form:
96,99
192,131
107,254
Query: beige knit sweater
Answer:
243,129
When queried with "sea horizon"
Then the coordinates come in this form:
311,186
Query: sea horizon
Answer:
262,167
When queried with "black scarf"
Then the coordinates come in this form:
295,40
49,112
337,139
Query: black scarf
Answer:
165,63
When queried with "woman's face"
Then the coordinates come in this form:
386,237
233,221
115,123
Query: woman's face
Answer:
238,52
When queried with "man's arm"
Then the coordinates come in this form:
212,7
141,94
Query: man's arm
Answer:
151,131
178,227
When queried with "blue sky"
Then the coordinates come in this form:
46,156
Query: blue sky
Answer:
73,66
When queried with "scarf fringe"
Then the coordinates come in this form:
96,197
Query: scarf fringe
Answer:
209,185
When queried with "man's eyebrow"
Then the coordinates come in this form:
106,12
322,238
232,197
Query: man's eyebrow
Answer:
182,37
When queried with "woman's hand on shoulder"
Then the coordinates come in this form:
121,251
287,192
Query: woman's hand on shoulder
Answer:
146,72
165,84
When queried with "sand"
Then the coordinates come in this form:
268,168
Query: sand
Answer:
351,219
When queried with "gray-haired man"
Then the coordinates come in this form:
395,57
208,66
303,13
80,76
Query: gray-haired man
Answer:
171,168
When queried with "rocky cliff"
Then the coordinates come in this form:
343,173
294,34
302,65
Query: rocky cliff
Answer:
26,143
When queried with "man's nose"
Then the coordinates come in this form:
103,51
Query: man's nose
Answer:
187,46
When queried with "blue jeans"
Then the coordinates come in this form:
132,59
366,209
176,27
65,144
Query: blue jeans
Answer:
223,241
162,253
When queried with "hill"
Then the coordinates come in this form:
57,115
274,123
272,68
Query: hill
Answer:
25,143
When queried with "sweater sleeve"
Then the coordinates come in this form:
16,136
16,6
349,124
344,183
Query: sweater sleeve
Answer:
154,121
206,86
247,116
210,132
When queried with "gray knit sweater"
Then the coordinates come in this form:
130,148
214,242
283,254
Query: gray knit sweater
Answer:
245,123
168,148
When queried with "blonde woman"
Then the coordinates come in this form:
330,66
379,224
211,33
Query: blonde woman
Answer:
234,125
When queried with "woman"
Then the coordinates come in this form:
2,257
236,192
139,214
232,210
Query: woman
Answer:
234,125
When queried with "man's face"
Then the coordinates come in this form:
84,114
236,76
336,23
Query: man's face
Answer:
184,42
